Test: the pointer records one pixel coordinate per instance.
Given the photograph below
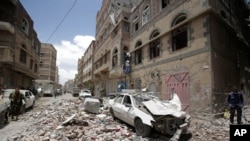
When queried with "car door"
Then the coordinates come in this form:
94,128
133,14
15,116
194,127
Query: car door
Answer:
32,98
125,108
117,105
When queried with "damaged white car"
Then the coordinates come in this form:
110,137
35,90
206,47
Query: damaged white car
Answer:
146,112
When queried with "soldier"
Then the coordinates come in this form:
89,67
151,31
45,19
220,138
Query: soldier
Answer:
16,103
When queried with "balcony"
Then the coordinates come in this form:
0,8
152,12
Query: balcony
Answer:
7,27
6,55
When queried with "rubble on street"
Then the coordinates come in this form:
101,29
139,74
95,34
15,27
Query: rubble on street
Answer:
68,120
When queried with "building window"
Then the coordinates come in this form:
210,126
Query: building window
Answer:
164,3
115,58
115,31
145,15
35,69
135,23
154,45
126,26
22,56
31,64
179,35
138,53
25,26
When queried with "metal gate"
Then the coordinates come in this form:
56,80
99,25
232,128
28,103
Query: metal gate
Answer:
179,83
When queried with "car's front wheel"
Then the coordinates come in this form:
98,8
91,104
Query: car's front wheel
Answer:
142,129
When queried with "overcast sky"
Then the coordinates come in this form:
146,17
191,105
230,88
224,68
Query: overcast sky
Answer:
67,24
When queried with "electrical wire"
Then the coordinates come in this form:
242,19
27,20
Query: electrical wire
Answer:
65,16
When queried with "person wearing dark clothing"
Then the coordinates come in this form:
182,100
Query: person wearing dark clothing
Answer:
16,99
235,101
55,93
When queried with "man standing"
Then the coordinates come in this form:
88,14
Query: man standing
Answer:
235,101
16,103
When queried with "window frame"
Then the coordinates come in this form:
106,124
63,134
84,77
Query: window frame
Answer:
179,36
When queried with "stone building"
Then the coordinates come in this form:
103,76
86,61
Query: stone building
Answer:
198,49
112,42
19,46
85,66
48,68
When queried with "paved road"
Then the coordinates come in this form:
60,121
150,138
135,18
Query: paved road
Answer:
16,127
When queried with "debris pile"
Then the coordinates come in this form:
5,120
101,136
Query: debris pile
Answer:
69,120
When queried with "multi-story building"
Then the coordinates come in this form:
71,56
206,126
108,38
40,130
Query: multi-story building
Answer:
85,65
47,63
19,46
112,44
198,49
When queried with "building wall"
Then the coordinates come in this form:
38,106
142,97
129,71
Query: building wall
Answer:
88,67
197,49
19,45
48,62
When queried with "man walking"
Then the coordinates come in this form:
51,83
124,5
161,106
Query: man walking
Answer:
235,101
16,99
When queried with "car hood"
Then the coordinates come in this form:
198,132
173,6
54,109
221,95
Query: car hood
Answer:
171,107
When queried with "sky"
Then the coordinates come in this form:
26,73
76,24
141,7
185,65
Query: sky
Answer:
69,25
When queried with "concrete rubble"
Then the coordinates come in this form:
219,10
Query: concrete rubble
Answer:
68,120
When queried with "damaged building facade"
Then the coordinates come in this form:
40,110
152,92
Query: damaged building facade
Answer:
19,46
198,49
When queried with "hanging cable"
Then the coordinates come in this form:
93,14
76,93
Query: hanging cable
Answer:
65,16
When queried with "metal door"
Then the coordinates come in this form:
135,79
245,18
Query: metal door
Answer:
179,83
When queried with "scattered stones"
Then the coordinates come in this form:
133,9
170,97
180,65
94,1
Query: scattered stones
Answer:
68,120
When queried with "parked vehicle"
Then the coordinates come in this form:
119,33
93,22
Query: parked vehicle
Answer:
4,110
145,112
45,87
84,93
76,91
29,101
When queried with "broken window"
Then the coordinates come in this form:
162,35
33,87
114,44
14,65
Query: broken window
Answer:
119,99
115,58
127,100
154,45
145,15
25,26
138,53
179,35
